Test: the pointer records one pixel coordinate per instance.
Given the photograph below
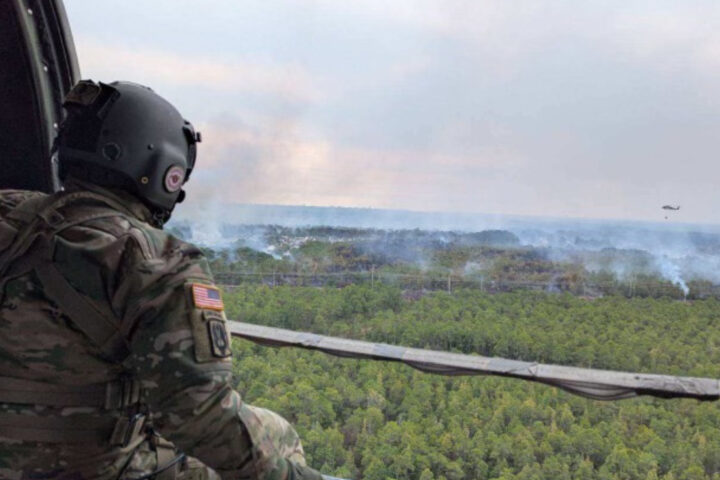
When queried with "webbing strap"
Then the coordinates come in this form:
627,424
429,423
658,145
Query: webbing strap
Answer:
27,210
74,429
101,330
166,456
120,432
107,395
15,390
7,235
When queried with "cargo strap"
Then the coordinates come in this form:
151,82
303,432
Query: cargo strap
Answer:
119,432
108,395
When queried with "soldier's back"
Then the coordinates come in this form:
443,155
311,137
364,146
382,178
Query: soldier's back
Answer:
63,428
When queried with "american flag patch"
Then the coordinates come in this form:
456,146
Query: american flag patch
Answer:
205,296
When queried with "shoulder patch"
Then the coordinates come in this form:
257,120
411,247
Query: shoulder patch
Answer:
210,334
218,334
206,296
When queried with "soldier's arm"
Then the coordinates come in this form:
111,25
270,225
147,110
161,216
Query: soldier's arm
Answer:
181,354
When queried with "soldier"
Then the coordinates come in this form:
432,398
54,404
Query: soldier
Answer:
113,339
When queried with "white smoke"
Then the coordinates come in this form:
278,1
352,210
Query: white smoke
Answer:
670,270
679,253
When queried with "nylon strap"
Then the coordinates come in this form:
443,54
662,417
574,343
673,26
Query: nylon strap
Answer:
166,454
108,395
73,429
102,331
119,432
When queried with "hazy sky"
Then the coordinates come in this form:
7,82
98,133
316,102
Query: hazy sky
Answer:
605,109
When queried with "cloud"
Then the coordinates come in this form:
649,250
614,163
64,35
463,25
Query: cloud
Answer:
276,163
599,109
288,81
677,38
500,34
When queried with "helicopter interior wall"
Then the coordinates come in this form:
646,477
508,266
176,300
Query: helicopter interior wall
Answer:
38,65
22,147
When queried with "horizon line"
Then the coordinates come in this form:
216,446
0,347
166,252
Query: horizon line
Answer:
514,216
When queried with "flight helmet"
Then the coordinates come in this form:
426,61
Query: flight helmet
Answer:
124,135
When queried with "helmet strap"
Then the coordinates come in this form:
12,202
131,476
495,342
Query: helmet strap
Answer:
160,217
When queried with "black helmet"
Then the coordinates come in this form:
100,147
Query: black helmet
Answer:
126,136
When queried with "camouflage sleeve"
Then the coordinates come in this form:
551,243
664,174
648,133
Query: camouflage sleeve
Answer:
181,354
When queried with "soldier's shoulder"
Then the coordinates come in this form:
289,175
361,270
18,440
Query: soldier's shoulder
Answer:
170,259
166,243
154,243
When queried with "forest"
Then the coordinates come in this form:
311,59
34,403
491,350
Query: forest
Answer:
482,293
377,421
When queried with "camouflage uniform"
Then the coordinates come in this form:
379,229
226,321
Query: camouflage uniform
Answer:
166,370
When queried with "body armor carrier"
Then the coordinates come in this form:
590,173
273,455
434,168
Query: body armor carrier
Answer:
27,239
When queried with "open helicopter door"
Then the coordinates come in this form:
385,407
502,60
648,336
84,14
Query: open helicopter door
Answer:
38,65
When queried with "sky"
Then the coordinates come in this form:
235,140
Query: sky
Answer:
593,109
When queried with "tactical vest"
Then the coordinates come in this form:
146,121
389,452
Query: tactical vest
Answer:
27,242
